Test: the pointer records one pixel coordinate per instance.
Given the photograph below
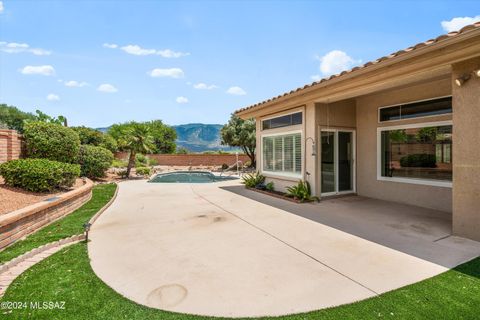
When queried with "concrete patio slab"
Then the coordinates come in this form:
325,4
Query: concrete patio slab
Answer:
201,249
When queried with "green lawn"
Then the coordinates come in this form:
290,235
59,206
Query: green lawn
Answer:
67,276
65,227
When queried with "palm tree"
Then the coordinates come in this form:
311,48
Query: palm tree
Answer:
133,137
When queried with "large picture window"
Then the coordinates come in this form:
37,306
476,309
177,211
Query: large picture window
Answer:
282,153
416,152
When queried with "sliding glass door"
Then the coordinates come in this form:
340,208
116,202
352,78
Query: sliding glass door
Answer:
337,161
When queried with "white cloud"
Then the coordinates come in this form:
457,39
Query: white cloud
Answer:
53,97
139,51
167,53
458,23
336,61
77,84
110,45
14,47
46,70
204,86
171,73
1,6
237,91
106,87
181,100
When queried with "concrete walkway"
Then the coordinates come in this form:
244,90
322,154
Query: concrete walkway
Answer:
201,249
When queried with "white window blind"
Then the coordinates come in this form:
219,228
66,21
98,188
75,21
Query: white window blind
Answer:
282,153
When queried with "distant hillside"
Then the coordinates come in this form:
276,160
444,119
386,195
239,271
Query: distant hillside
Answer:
197,137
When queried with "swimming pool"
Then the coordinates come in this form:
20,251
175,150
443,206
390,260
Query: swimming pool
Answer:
188,177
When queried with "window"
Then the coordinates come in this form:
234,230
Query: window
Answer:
282,153
283,121
416,109
416,152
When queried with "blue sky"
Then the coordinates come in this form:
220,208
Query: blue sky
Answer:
104,62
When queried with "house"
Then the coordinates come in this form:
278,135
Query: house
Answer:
403,128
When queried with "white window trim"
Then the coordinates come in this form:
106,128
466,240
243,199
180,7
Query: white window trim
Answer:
426,182
281,174
409,102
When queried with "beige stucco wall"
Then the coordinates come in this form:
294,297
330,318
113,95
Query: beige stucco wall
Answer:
439,198
340,114
466,164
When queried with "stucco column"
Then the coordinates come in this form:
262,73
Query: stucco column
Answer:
466,151
310,138
258,146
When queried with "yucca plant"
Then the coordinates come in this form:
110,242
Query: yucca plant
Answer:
301,192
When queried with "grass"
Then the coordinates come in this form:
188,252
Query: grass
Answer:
67,276
67,226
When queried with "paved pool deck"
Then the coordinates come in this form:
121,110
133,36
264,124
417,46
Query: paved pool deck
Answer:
206,249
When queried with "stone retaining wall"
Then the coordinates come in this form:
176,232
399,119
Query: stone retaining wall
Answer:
20,223
191,159
11,145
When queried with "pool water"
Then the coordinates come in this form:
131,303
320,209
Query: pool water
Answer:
188,177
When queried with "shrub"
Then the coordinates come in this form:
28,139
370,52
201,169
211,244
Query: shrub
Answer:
143,171
269,186
51,141
152,162
182,150
422,160
252,180
118,163
89,135
94,161
301,192
224,166
96,138
39,175
109,143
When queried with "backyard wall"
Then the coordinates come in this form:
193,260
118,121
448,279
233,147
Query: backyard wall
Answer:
11,145
191,159
22,222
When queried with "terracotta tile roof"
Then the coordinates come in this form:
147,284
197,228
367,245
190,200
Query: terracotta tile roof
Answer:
370,63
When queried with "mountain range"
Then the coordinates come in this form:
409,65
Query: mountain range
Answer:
197,137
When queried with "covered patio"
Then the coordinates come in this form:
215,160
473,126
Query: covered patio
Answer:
420,232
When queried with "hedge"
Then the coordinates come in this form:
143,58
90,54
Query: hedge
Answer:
39,175
94,161
51,141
